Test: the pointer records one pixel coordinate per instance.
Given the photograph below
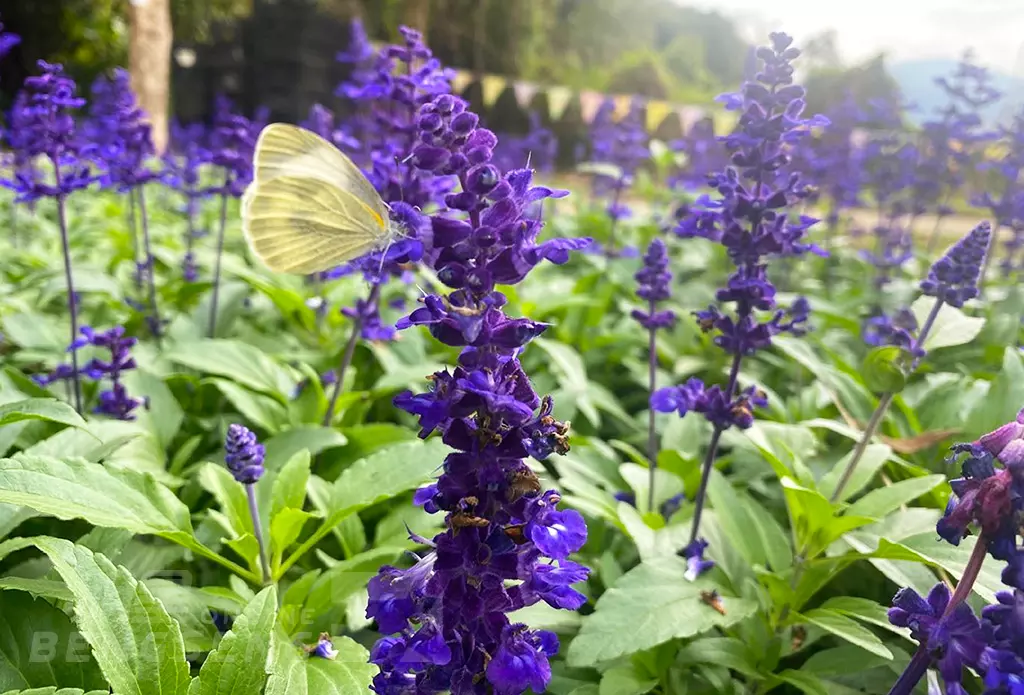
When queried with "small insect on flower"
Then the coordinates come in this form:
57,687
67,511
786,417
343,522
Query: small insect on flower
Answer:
516,534
713,599
324,647
522,481
464,520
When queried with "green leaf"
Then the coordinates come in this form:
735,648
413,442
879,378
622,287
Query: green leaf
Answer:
652,543
53,690
842,661
294,673
874,457
883,369
164,415
722,651
625,680
951,327
846,629
343,579
802,681
190,609
237,361
49,409
1004,398
290,484
281,447
239,664
77,489
47,588
649,605
263,410
666,485
285,529
748,526
881,501
810,513
11,516
377,477
865,610
39,646
136,644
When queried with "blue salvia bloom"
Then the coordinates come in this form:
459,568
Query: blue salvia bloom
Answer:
324,648
120,140
320,120
954,277
244,454
114,402
506,545
750,218
989,497
8,41
232,143
654,281
184,163
1008,206
625,146
833,161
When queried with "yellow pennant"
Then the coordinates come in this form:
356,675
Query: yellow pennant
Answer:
493,86
590,102
622,102
657,111
461,80
558,100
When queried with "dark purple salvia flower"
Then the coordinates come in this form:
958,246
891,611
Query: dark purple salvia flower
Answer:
506,544
121,145
987,497
184,162
388,88
323,649
703,152
750,219
114,402
624,145
8,41
232,143
954,278
654,281
42,125
696,565
244,458
537,149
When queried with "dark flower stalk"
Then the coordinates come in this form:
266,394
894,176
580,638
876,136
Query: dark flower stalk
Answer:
750,219
953,280
653,284
505,544
231,146
244,458
184,163
121,145
42,124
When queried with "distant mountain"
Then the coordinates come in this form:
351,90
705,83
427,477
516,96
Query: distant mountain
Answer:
916,79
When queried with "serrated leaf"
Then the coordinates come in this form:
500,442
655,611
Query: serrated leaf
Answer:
239,664
804,682
137,645
649,605
47,588
39,647
377,477
190,609
846,629
294,673
77,489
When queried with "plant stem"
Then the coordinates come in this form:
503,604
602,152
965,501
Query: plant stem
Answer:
918,665
709,458
216,268
133,228
72,304
652,444
611,251
254,512
346,356
883,405
154,324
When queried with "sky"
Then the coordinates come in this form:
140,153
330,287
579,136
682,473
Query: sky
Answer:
904,29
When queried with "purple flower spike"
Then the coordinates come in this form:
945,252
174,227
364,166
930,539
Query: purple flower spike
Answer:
954,277
521,661
244,455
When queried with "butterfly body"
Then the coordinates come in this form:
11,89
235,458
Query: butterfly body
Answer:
309,207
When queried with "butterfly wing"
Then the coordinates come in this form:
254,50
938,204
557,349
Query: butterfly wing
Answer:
303,225
287,150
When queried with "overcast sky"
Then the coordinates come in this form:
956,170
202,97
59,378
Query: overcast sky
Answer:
905,29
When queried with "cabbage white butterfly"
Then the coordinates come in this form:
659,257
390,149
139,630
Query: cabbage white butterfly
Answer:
309,208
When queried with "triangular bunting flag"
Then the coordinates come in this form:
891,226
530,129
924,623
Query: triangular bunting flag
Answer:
622,104
524,93
689,115
558,100
656,113
461,80
493,85
590,102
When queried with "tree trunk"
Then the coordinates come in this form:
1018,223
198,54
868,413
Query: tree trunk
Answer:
149,61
